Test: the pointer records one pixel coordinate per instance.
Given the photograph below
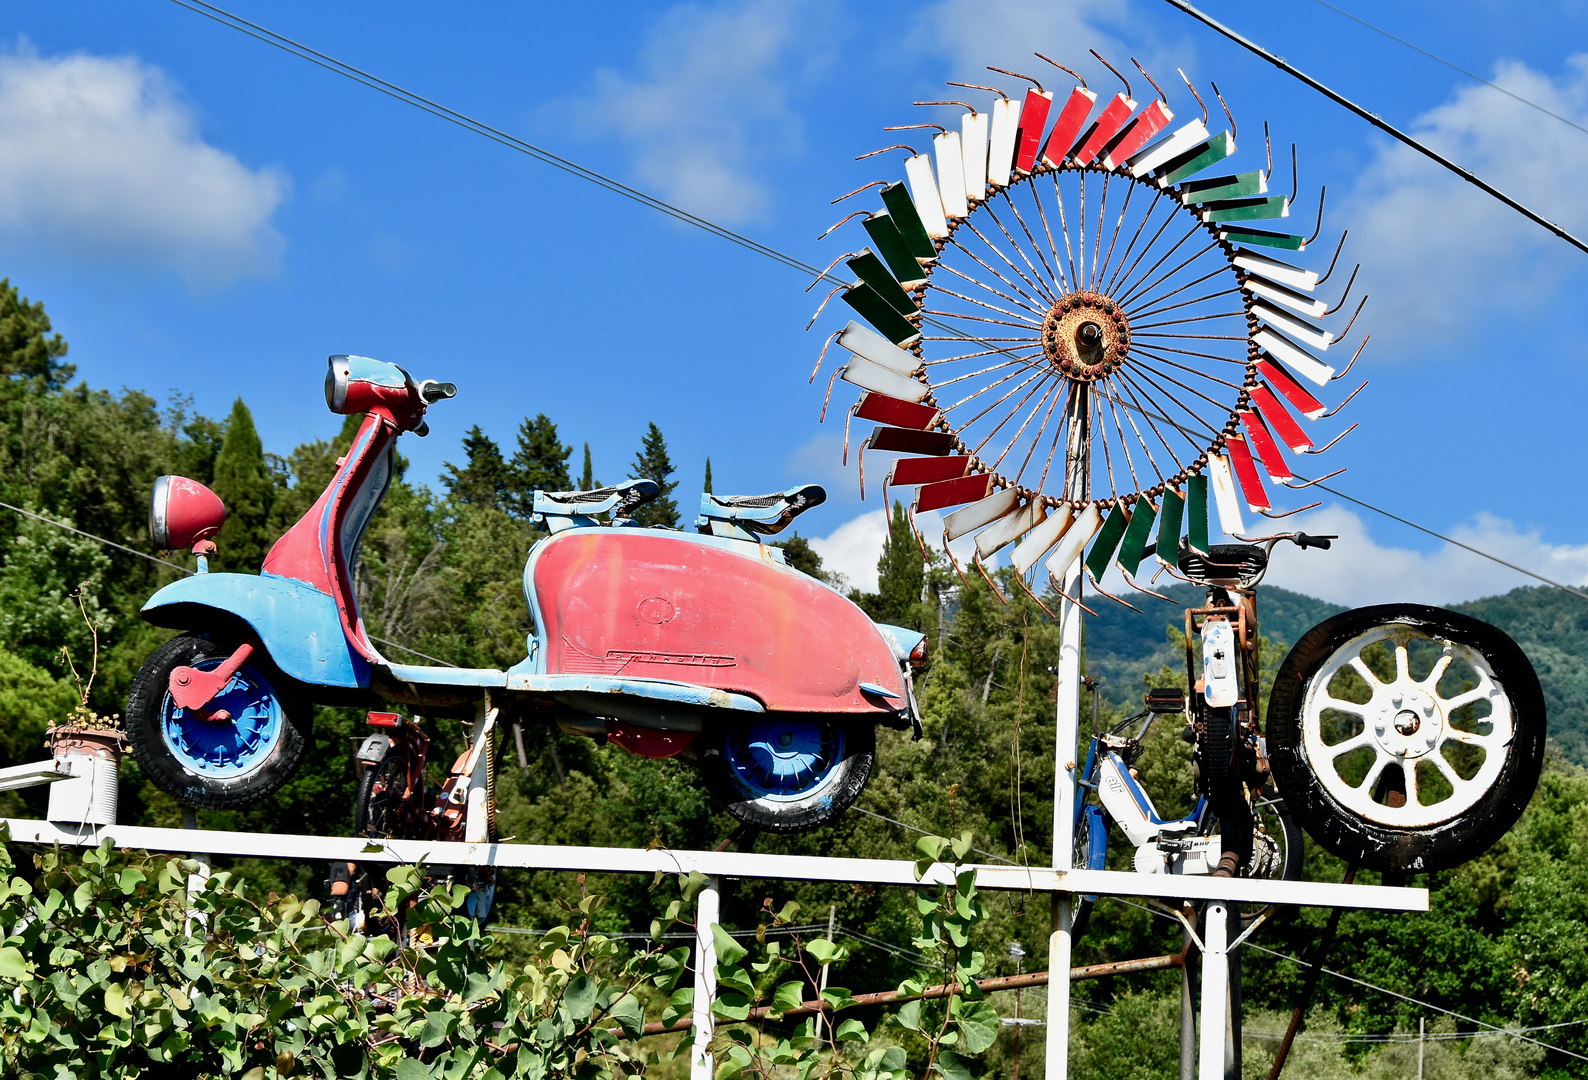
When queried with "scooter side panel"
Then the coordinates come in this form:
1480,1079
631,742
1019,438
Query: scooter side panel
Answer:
656,605
297,624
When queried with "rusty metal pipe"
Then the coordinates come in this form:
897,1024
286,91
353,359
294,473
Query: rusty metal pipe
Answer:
1007,982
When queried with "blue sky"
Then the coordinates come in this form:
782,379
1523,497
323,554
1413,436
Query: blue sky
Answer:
207,215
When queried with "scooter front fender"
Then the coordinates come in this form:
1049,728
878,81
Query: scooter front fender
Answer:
296,623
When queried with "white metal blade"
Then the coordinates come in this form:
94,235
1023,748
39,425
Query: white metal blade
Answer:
1224,497
1001,141
1315,336
970,518
1039,540
1009,527
868,376
928,200
1069,549
951,174
1293,356
1293,277
1295,301
1169,146
878,349
973,142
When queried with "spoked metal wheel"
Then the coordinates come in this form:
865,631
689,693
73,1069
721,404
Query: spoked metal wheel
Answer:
1409,737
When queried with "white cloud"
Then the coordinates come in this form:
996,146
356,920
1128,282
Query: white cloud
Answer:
100,160
975,33
706,112
1442,259
853,549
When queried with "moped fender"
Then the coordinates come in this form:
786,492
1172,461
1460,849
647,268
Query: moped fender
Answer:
296,623
374,747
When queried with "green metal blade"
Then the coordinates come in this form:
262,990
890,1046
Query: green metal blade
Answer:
891,246
1196,510
902,209
1240,186
1169,516
879,313
1134,547
1273,206
1262,237
1107,541
869,268
1199,157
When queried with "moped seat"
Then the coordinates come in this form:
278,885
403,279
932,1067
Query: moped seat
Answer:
1224,564
566,509
738,515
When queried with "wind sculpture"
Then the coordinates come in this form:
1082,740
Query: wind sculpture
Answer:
1078,327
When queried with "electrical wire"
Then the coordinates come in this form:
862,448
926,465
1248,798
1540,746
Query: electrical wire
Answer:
927,832
1452,67
338,67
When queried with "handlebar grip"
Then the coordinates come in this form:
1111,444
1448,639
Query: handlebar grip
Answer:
1305,541
432,391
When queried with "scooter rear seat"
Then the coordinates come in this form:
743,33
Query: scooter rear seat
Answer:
620,500
764,514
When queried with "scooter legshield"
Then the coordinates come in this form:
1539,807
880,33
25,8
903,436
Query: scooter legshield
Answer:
724,614
296,623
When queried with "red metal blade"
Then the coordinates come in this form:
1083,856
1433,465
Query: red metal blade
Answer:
1279,418
891,410
911,441
1108,124
926,470
1246,473
1033,117
1267,449
1280,380
963,489
1067,128
1151,120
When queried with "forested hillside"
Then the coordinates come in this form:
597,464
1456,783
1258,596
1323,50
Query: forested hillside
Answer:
1507,941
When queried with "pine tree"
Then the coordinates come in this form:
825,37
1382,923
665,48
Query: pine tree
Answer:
652,463
27,351
707,488
244,482
587,480
483,480
900,572
539,464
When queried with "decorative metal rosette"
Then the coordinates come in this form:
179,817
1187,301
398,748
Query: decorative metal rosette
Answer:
1076,327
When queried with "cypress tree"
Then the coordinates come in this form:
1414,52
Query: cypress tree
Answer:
587,480
482,481
707,488
539,464
244,483
652,463
900,572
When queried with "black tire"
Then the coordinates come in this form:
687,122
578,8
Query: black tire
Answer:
1274,820
1221,781
255,762
379,811
851,748
1363,823
1081,904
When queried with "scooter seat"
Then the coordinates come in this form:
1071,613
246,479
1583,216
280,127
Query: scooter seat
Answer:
583,506
764,514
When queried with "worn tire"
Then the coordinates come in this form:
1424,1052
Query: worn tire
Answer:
208,764
1369,835
846,752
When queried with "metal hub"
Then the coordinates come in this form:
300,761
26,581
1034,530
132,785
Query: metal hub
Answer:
1409,724
1085,336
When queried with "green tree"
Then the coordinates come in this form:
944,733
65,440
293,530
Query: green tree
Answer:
901,572
244,483
707,487
27,349
653,463
802,557
483,481
587,480
539,464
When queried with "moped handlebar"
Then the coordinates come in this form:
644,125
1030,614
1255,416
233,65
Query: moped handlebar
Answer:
431,391
1302,540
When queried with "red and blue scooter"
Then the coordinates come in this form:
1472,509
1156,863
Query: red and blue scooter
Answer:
702,644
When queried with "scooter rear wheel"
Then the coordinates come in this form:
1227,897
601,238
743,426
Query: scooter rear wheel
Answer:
786,772
215,764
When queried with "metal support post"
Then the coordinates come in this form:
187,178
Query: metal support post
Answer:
707,909
1067,725
1215,990
821,985
1232,1021
196,880
477,815
1188,1012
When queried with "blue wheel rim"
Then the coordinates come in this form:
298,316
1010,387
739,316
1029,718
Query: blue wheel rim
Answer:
221,750
784,758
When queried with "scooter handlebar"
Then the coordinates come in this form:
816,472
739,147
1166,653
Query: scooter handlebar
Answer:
1305,541
431,391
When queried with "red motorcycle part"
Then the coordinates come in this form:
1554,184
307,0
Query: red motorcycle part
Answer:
183,513
646,604
648,742
193,689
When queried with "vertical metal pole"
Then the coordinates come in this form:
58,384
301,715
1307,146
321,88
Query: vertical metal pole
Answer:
1188,1012
195,880
1420,1044
1232,1020
707,908
821,983
477,810
1215,991
1067,725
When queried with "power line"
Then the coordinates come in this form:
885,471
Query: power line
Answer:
1452,67
338,67
1378,122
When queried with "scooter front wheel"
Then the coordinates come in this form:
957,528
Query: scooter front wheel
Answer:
788,772
208,763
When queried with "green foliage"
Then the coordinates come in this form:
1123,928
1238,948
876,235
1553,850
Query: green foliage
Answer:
245,484
27,350
652,463
802,557
587,480
706,484
901,571
481,482
539,464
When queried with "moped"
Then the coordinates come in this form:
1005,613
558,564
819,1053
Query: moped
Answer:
701,644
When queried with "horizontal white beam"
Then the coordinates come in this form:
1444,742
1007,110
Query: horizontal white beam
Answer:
718,864
34,773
